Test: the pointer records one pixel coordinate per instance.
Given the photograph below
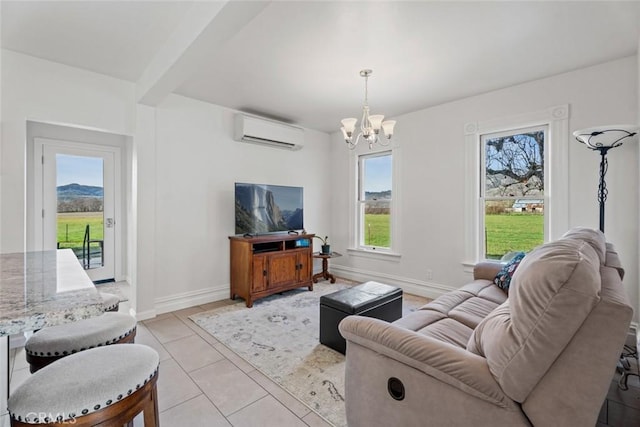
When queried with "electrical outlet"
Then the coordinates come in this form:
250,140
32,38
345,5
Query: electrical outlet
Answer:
429,274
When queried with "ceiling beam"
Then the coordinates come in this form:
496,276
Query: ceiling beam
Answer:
205,28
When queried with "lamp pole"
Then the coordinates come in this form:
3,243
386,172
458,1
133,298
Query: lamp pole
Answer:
602,186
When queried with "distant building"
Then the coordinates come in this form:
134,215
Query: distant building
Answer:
528,205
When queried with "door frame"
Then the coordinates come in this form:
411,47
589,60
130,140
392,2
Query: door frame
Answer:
37,202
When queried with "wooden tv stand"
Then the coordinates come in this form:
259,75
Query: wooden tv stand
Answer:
266,265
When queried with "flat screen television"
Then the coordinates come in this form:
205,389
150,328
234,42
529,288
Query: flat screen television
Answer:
262,209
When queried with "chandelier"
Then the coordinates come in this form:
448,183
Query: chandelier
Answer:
370,125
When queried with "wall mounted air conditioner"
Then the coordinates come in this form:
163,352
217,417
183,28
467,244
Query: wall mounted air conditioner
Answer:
268,132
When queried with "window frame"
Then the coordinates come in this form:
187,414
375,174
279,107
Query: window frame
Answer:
556,197
355,248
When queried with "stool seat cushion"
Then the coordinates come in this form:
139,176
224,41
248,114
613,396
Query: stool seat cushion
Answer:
73,337
110,301
83,383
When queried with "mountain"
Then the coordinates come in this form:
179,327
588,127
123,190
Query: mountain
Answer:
377,195
74,191
294,219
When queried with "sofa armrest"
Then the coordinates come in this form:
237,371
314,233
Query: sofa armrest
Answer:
446,363
486,270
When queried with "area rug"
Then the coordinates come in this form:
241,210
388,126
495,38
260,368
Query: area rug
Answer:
279,336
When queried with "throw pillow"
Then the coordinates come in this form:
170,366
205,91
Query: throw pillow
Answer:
503,278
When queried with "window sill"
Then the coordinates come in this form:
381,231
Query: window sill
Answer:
468,266
374,254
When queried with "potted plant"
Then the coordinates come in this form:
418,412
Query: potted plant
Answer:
326,247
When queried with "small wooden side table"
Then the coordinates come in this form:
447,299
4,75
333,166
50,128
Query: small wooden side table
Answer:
325,266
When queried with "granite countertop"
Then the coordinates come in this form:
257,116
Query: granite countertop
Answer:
46,288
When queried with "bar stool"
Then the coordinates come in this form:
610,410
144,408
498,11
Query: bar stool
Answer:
104,386
54,342
111,301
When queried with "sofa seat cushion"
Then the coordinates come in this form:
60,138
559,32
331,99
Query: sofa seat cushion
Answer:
460,311
419,319
448,330
436,325
485,289
472,311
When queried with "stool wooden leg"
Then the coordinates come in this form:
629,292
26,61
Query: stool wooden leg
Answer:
151,417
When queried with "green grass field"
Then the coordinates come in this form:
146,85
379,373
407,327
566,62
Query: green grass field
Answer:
377,230
71,227
513,232
505,232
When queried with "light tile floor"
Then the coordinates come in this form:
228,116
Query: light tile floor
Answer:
202,382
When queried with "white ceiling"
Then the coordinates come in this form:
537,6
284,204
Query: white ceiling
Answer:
300,61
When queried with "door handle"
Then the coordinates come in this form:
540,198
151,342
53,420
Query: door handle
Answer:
110,222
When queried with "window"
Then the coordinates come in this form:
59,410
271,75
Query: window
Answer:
516,170
375,184
512,190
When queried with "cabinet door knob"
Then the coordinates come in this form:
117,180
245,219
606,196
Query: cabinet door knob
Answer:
264,272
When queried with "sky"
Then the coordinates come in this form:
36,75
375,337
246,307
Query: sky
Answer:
377,173
79,170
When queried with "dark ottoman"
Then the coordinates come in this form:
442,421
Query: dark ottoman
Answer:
370,299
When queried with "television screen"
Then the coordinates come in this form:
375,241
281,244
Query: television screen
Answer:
264,209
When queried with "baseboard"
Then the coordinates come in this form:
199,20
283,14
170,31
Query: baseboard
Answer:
190,299
142,315
409,285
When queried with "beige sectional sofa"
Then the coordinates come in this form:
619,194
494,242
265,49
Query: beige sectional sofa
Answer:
542,355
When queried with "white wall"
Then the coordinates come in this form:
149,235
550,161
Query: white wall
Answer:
432,175
198,163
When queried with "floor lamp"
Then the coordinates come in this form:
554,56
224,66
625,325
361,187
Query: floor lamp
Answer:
602,139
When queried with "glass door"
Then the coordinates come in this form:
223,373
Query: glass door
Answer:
78,205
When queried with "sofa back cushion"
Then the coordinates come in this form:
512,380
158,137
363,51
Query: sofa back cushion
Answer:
552,293
595,238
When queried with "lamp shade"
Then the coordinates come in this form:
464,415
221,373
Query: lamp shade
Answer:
608,136
376,121
387,127
349,124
